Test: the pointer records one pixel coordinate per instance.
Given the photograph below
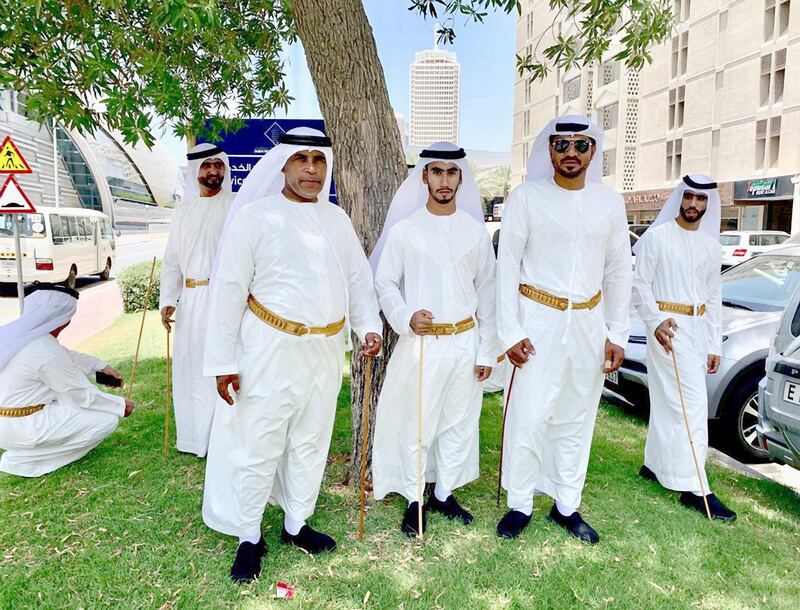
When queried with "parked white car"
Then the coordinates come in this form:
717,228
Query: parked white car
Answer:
738,246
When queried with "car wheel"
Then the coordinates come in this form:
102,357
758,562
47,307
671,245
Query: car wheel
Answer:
72,278
106,273
739,422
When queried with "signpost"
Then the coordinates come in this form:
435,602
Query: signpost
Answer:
14,201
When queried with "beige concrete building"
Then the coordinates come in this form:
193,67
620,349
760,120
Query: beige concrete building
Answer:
722,97
434,97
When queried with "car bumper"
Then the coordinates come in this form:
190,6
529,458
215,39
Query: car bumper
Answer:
769,436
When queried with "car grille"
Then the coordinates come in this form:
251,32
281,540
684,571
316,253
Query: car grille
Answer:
637,339
634,366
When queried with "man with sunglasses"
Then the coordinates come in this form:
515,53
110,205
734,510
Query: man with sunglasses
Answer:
563,299
676,290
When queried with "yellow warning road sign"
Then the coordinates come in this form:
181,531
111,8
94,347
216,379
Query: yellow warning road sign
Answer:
11,160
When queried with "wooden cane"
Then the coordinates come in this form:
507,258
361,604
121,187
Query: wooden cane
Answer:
420,482
141,327
689,433
166,409
364,438
503,435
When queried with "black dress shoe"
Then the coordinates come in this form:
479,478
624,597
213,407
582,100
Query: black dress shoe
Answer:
247,565
450,508
648,474
410,522
309,540
575,525
715,506
512,524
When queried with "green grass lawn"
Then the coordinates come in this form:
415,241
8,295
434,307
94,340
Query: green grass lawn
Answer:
122,529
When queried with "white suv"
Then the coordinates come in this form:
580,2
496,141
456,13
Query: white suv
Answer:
738,246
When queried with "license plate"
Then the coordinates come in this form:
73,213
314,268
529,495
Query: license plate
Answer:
6,264
614,378
791,392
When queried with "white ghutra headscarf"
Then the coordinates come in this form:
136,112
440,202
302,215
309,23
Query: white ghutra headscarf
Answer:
413,193
539,164
698,183
195,158
47,307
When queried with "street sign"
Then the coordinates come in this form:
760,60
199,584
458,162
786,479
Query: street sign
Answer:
11,160
245,147
13,199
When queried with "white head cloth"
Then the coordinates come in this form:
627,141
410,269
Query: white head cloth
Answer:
195,158
413,193
698,183
45,310
539,164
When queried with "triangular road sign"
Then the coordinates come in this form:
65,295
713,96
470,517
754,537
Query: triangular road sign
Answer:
11,160
13,199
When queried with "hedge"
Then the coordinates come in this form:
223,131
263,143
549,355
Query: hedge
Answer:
133,286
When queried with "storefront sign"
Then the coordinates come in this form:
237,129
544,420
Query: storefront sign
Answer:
762,188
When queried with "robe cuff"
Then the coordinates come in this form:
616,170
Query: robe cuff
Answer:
490,361
620,339
513,340
221,369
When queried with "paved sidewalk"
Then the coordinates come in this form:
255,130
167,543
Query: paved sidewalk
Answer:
97,309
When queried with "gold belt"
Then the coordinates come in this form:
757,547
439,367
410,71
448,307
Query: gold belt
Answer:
545,298
686,310
297,329
20,411
451,329
190,283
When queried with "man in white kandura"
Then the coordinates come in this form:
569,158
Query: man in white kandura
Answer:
289,274
676,290
185,273
435,283
563,300
50,413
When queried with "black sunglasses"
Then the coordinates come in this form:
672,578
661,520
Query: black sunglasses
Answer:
562,146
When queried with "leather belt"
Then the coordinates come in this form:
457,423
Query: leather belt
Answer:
20,411
290,327
686,310
545,298
451,329
190,283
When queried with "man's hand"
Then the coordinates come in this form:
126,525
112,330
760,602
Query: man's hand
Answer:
664,333
482,372
614,356
520,352
166,317
421,322
112,372
129,407
223,381
712,366
371,346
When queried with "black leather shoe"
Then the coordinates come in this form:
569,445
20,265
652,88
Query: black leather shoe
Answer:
512,524
411,520
247,565
450,508
309,540
718,509
648,474
575,525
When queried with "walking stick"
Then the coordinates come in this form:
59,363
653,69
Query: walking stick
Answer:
141,327
689,433
503,435
166,408
420,483
364,437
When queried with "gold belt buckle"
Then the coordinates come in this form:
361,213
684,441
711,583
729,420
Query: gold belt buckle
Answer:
303,330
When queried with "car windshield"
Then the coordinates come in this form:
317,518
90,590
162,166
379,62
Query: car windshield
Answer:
729,240
32,225
764,283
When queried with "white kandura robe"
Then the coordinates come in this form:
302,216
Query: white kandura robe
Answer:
567,243
678,266
444,264
303,262
76,418
191,246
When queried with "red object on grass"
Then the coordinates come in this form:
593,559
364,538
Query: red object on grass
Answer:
284,591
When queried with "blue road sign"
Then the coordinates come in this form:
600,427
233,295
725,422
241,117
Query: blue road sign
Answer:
251,142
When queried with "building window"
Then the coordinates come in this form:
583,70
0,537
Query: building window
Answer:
524,155
609,116
674,154
529,24
768,142
609,162
682,9
528,91
680,54
526,122
773,74
723,21
714,151
776,18
720,80
572,89
676,107
609,73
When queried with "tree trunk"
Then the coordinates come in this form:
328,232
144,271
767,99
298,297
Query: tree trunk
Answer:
369,163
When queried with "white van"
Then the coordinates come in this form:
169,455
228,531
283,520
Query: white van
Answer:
58,245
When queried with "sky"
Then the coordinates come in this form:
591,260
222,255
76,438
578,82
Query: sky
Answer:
484,50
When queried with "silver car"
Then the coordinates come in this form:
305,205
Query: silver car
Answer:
754,296
779,392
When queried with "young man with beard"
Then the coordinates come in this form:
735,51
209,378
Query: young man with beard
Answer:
676,290
563,300
436,285
185,274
